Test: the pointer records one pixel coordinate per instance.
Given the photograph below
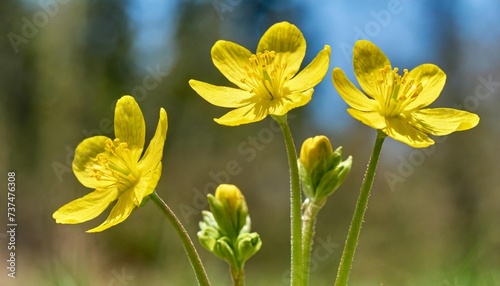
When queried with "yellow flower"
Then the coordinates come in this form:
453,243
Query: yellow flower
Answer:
395,102
321,169
267,81
115,169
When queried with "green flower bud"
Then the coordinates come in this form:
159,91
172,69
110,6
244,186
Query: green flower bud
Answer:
321,169
214,241
247,245
333,179
229,209
209,232
223,249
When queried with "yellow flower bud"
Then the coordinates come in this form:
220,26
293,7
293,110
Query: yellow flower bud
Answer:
321,169
315,156
229,209
225,229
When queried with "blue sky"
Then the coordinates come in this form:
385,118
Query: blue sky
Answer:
406,30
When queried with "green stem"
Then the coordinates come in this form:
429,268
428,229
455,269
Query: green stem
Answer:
359,213
238,276
191,252
296,273
310,213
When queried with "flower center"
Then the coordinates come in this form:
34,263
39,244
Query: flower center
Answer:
398,91
265,75
116,166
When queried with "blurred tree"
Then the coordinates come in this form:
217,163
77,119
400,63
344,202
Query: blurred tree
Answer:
16,91
460,179
106,41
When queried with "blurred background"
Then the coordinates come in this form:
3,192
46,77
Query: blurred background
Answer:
434,213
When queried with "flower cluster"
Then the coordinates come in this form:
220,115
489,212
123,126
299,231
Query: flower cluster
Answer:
225,229
268,82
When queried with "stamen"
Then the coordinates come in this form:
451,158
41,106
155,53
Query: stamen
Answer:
264,75
116,165
397,90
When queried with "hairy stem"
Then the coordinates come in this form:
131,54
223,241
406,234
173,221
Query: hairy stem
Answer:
310,213
238,276
187,243
359,213
296,273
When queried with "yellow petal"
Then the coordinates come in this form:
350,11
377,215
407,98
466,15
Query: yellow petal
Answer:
289,102
350,93
231,60
368,59
85,160
400,130
220,95
129,125
147,184
154,153
312,74
289,44
370,118
122,209
443,121
432,79
243,115
85,208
